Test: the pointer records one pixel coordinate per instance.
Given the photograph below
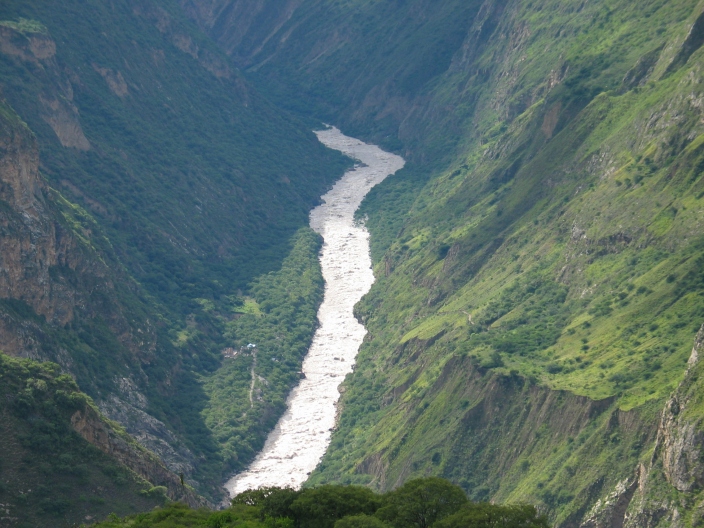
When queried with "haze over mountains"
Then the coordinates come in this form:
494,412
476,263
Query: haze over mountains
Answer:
539,261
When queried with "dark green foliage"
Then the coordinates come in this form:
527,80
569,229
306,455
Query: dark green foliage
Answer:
198,182
419,503
51,475
483,515
279,317
539,316
193,188
280,504
323,506
177,515
360,521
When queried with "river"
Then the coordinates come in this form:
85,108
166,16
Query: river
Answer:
294,448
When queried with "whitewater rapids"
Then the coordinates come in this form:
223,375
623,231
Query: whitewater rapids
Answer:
297,444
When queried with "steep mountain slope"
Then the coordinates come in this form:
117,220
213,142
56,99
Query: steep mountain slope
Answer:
168,191
539,262
62,461
64,296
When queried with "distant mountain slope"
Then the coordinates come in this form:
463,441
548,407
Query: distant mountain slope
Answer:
145,122
368,65
539,261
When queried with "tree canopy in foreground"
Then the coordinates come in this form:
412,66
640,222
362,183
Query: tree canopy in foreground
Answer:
419,503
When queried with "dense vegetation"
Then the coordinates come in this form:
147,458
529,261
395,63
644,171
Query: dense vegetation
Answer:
539,260
419,503
185,188
270,332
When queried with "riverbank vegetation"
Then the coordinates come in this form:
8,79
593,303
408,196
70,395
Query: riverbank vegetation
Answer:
539,258
269,332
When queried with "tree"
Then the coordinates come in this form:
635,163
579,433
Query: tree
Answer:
485,515
419,503
360,521
322,507
273,502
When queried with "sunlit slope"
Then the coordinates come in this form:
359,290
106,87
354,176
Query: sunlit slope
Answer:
537,305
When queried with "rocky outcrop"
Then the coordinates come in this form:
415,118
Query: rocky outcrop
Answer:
610,511
48,274
249,24
681,443
115,80
32,244
181,39
89,424
151,433
32,47
649,498
680,436
50,270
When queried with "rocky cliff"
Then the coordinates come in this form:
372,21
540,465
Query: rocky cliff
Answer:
114,442
668,489
52,277
65,463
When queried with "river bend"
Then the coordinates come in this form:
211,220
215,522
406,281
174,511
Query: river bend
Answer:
294,448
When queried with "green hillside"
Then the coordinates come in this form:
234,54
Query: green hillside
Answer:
533,331
539,262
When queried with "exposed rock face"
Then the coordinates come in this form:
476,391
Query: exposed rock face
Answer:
33,48
182,40
680,443
93,429
610,511
46,267
32,244
151,433
115,80
646,500
47,263
240,19
62,117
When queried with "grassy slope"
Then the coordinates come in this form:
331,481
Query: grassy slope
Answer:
569,227
554,198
